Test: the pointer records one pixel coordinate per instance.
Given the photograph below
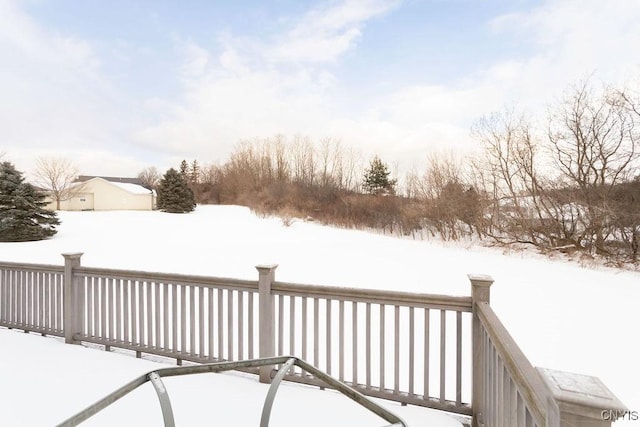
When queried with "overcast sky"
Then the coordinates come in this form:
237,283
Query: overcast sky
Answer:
122,84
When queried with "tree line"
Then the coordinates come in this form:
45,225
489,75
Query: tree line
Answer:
569,182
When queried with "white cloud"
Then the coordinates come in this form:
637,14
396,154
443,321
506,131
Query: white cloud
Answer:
55,97
219,111
196,61
249,91
59,99
245,95
323,34
570,39
576,37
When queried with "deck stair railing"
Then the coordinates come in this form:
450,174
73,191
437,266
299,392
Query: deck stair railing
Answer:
509,392
445,352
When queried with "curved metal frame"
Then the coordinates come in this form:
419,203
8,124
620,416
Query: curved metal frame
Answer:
155,377
163,396
271,394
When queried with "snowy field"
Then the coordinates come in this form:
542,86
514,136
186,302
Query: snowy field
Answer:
563,316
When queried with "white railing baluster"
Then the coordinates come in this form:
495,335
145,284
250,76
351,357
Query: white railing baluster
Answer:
220,326
368,346
382,342
427,359
412,349
328,335
240,328
443,354
230,352
341,340
210,324
250,325
396,358
316,333
280,325
157,325
458,358
304,329
354,346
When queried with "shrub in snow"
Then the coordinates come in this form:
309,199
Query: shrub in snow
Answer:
22,214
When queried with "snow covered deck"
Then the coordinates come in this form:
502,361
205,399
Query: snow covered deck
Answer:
45,381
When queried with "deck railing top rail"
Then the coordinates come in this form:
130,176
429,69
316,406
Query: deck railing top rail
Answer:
218,282
410,299
32,267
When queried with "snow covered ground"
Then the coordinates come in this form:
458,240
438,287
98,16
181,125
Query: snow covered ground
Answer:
563,316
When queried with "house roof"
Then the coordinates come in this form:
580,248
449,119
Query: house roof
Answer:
126,186
132,188
113,179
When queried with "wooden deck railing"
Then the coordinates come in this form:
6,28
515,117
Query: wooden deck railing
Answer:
387,344
31,297
442,352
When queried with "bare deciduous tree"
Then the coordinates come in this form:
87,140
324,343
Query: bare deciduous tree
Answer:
594,142
303,160
150,177
279,153
211,174
58,176
522,209
450,204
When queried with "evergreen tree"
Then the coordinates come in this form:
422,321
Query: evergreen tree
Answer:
184,170
174,195
22,214
376,178
195,172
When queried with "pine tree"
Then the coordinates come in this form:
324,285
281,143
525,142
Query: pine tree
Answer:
376,178
22,214
184,170
174,195
195,172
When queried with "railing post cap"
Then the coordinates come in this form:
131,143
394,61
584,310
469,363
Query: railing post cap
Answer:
72,255
480,278
579,394
266,267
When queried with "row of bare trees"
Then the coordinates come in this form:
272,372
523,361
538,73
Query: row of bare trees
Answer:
563,186
573,182
570,181
269,165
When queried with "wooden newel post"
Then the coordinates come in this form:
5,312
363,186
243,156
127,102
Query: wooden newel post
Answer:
480,294
580,400
70,297
266,276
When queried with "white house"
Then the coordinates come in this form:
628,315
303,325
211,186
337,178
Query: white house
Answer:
94,193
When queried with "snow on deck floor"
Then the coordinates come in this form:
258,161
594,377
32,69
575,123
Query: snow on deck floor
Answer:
43,382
